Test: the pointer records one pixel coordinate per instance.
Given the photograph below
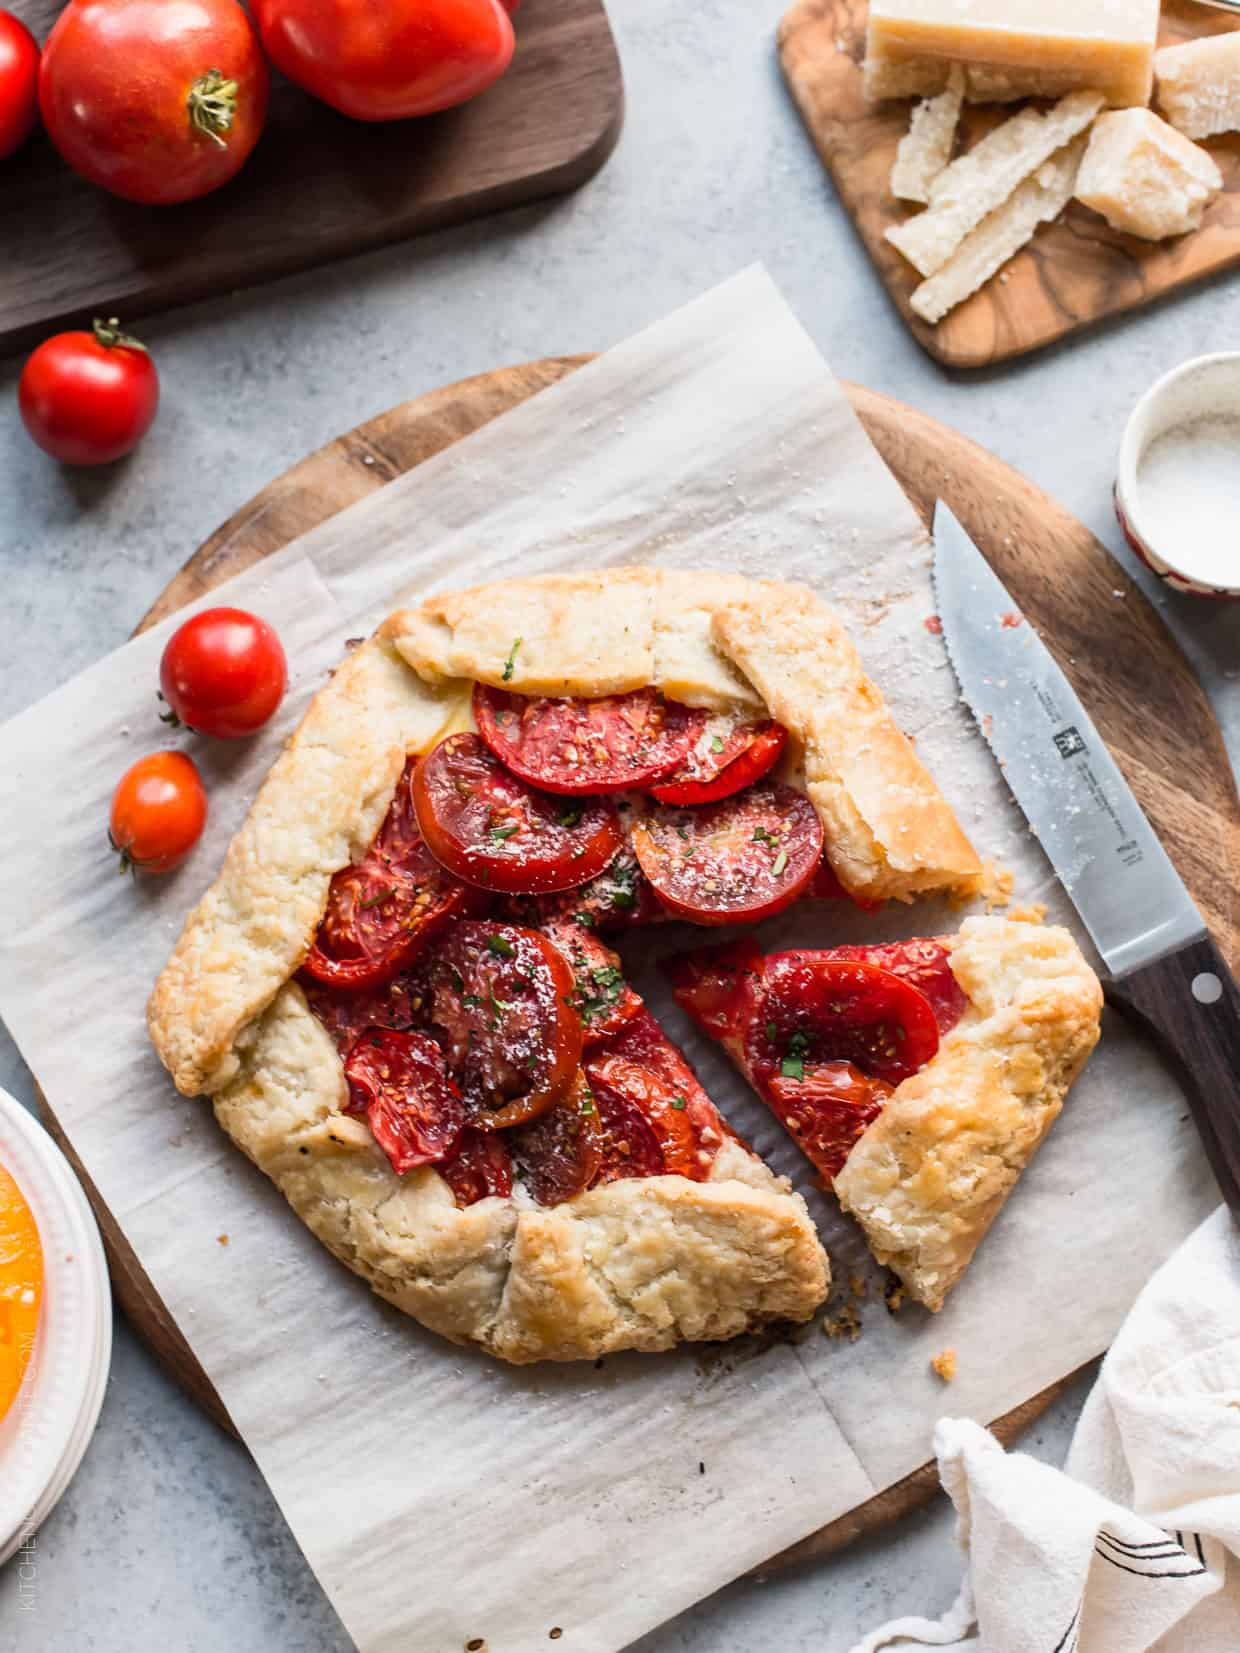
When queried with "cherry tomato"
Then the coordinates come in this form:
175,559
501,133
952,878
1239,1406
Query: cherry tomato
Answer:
19,83
586,746
743,858
826,1111
223,673
728,756
399,1081
159,809
716,985
924,963
560,1153
384,63
89,398
813,1008
480,1167
154,102
382,911
493,830
600,996
499,994
657,1120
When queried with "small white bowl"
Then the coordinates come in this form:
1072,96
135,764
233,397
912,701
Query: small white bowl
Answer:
49,1425
1177,491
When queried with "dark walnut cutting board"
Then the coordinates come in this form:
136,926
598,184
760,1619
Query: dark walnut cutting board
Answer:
318,186
1073,273
1119,655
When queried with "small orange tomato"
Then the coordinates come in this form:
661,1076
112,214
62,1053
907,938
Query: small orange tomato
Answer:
21,1287
158,812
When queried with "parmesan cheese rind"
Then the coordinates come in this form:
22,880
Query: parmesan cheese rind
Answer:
979,183
1198,85
926,147
1002,235
1144,177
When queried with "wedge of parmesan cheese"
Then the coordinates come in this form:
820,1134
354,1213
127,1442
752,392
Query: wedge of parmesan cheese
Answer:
1039,199
1012,48
926,147
1198,85
1144,177
980,182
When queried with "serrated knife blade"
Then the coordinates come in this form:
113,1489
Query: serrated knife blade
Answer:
1153,940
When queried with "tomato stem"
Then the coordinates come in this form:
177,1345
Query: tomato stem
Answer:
212,104
109,335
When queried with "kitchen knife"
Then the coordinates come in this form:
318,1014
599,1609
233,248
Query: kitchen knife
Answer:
1164,968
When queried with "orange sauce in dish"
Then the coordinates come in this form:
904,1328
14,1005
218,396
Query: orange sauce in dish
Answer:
21,1288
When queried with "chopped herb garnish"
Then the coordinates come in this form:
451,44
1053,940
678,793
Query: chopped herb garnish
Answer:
502,1004
458,982
587,1101
781,861
716,745
512,658
498,834
623,898
377,900
762,836
608,986
569,816
793,1067
683,831
472,1000
679,1101
772,1032
502,946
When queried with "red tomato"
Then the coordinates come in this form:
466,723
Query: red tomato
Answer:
159,809
382,911
152,101
396,1005
826,1111
724,761
585,746
812,1008
88,398
479,1168
561,1152
825,886
500,996
600,996
716,985
19,82
493,830
924,963
657,1120
223,673
388,62
738,860
414,1110
619,898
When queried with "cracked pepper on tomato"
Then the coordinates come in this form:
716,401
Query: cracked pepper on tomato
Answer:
485,1026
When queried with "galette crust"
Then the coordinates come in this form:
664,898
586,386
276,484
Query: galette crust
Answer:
638,1264
930,1175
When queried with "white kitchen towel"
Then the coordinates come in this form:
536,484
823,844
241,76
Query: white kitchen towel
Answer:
1135,1544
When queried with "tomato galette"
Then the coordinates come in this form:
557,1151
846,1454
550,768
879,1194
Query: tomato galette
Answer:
401,994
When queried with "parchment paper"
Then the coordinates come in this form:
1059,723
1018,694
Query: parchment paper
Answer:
439,1496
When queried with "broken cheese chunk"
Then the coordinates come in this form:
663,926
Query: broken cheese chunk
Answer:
977,184
1012,48
926,147
1144,177
1198,85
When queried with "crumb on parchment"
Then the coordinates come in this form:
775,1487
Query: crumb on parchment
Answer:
893,1296
858,1285
1035,914
222,1239
847,1323
944,1364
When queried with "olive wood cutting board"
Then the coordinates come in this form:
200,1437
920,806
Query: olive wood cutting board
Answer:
1074,272
1119,655
318,186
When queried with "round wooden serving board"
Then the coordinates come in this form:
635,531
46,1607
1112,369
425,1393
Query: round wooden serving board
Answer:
1122,660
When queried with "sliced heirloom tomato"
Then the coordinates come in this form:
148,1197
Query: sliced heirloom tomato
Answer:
400,1082
814,1008
398,1006
619,898
727,756
480,1167
382,911
500,995
493,830
826,1111
561,1152
926,964
656,1119
716,986
578,746
738,860
600,996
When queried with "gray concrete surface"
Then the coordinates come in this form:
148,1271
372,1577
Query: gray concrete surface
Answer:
168,1538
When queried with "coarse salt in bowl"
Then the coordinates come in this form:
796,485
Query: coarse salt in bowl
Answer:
1177,496
45,1432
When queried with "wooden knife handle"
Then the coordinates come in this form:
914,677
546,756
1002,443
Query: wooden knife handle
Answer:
1190,1002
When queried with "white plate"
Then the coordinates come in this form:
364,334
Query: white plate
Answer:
48,1426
